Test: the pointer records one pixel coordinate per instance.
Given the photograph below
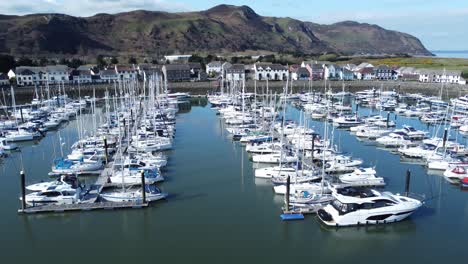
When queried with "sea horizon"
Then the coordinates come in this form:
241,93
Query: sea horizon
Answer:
451,53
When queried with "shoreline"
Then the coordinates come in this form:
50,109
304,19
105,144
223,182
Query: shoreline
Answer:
25,94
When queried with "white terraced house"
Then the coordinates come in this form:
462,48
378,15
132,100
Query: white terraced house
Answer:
235,73
214,67
441,76
275,72
57,74
26,75
125,72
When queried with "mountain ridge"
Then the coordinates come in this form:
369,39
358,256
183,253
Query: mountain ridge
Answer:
220,29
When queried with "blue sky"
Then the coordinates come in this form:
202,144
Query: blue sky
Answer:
440,25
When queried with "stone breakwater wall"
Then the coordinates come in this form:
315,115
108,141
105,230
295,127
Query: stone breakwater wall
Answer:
201,88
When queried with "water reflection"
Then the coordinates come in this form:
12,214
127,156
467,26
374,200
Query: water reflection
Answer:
393,231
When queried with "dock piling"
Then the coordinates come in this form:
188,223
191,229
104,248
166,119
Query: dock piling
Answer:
23,190
313,146
143,189
106,150
21,112
445,138
286,197
407,183
388,118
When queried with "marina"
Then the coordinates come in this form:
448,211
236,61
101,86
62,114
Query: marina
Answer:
226,176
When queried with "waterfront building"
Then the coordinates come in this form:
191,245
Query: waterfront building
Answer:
407,74
441,76
363,65
365,74
4,80
81,76
176,72
350,66
330,71
235,73
214,68
272,72
108,76
196,72
299,73
346,74
384,72
145,70
57,74
315,69
28,75
125,72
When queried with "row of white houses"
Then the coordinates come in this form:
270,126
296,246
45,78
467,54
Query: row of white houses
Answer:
308,70
28,75
319,70
257,71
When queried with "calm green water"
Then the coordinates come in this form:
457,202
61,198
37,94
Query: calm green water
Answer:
218,212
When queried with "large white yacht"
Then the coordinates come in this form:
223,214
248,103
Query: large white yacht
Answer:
412,133
365,207
54,196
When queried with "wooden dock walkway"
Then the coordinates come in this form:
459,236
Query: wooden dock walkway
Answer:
90,198
58,208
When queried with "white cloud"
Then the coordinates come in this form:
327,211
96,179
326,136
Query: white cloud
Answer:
86,7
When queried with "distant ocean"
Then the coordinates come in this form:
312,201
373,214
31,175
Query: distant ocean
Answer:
451,53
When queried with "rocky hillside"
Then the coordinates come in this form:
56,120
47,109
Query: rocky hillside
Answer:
223,28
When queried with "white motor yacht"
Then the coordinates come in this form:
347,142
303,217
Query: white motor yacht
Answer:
366,208
362,177
263,148
342,164
411,133
274,158
54,196
393,140
4,145
418,152
347,121
20,135
457,172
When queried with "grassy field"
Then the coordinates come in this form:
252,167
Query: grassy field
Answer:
425,62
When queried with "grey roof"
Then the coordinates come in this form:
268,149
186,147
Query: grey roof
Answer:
28,70
56,68
84,72
277,67
364,65
440,72
194,65
236,68
177,67
214,64
121,68
316,67
85,67
107,73
383,68
302,71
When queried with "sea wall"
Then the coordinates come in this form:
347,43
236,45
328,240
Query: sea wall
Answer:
449,90
201,88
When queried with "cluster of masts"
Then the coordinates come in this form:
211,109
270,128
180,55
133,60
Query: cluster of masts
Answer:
304,167
122,146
